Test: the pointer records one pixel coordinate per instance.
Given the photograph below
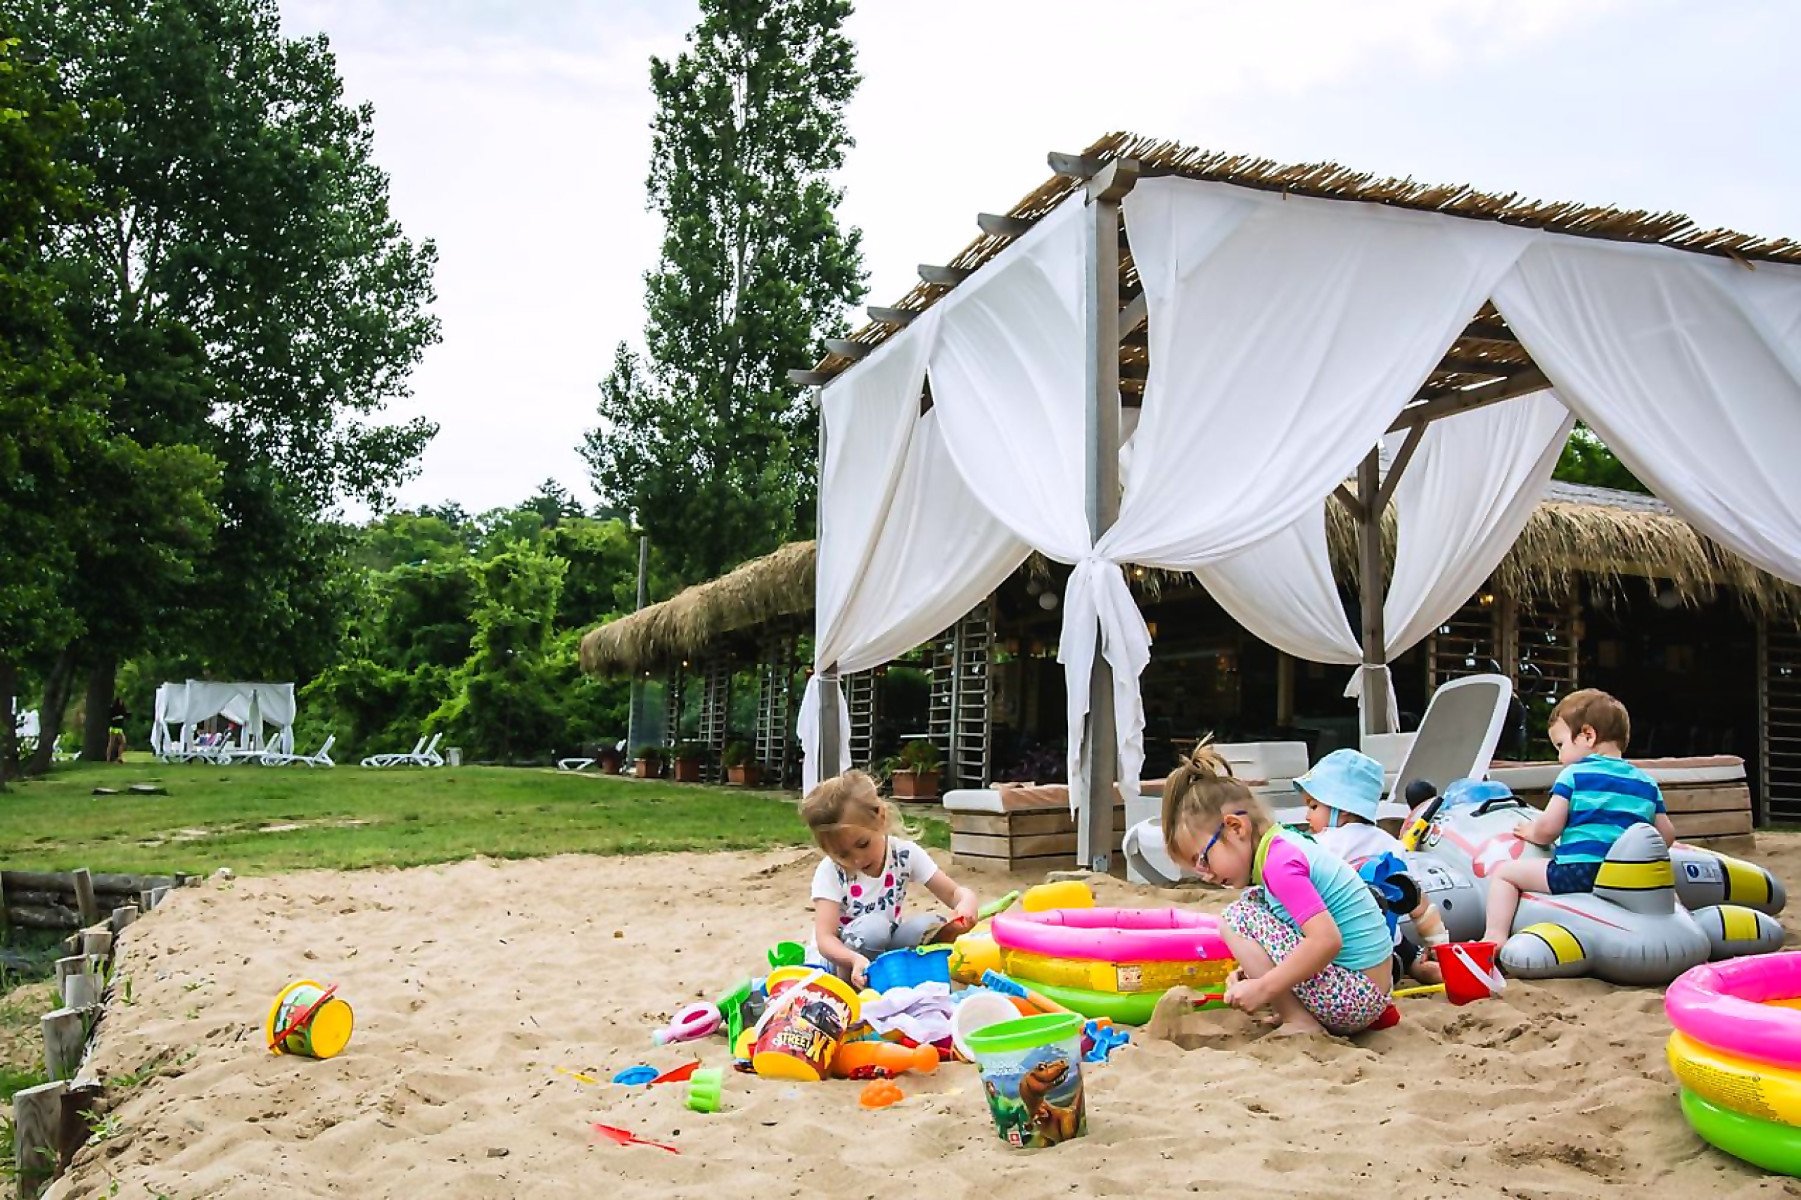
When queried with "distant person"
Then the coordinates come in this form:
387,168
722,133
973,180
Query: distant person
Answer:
115,731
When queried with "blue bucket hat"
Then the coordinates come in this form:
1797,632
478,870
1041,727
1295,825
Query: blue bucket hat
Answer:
1345,780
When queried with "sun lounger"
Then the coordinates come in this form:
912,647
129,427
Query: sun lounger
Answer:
320,758
423,754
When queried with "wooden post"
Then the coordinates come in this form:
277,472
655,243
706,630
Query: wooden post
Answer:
81,990
1284,689
97,942
830,752
84,898
74,964
37,1119
1376,717
154,897
65,1031
123,916
1094,818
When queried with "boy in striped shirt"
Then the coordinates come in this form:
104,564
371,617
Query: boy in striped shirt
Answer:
1597,797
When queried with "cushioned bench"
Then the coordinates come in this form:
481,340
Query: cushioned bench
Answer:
1708,798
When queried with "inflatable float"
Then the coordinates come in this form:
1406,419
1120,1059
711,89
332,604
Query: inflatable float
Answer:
1108,962
1736,1051
1655,912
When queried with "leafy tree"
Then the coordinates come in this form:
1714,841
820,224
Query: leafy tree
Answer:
554,504
1586,459
703,441
238,269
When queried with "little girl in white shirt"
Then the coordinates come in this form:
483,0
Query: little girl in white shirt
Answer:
861,884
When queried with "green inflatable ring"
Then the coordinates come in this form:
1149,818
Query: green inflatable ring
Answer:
1767,1144
1127,1008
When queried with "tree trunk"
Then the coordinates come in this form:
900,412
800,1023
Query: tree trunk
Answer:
99,709
9,727
50,712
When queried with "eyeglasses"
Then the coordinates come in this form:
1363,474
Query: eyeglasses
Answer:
1200,860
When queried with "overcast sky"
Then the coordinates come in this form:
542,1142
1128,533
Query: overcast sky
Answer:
516,136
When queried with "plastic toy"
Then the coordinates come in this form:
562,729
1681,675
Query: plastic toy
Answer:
1469,970
994,981
703,1090
786,954
972,954
636,1076
978,1009
625,1137
910,968
1111,962
679,1074
1100,1041
1736,1051
1655,911
880,1094
807,1016
882,1060
1067,893
692,1023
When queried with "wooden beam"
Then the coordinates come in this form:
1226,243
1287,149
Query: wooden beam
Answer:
1402,458
1132,316
943,276
1112,182
1003,227
845,348
811,378
1481,366
1369,572
1468,399
1073,166
892,316
37,1121
1349,499
1488,331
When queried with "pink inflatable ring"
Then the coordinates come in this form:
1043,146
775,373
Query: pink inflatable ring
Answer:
1725,1005
1113,935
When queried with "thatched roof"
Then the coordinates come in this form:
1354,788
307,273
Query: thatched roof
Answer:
1487,343
1577,534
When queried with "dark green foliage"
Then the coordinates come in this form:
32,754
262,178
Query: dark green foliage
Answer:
703,441
1586,459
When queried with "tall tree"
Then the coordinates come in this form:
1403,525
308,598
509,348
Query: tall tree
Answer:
240,271
704,441
1586,459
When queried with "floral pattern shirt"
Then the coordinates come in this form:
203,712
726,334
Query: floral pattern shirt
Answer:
882,893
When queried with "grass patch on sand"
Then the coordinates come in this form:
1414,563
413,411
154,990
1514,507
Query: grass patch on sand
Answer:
263,819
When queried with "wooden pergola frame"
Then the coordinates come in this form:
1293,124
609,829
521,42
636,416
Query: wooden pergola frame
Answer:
1486,365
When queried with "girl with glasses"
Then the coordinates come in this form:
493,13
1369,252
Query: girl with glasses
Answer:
1310,940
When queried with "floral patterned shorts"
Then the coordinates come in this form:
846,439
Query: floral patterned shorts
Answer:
1342,1000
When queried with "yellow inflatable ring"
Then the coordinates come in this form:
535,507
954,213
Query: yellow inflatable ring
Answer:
1753,1088
1122,977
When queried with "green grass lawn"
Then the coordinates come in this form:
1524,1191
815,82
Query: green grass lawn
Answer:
263,819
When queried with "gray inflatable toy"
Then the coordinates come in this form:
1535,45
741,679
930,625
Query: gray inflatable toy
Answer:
1655,912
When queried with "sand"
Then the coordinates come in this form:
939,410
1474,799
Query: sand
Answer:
480,987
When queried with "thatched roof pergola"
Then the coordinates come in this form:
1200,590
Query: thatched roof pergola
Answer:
1577,533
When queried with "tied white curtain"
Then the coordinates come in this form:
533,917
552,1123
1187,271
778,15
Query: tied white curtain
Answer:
1285,335
1689,368
906,549
1461,503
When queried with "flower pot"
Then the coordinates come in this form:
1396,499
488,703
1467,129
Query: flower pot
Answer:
915,785
648,768
687,770
745,774
609,764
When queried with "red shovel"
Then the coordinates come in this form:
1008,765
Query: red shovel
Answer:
625,1137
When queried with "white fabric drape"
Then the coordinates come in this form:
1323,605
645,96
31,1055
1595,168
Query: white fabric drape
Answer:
1285,334
1688,367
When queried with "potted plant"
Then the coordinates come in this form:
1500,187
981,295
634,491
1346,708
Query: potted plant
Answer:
610,760
916,778
688,758
741,767
650,762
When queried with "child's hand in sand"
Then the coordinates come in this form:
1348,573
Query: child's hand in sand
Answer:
1246,995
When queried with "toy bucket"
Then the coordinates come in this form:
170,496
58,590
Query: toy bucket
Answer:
800,1031
910,968
1032,1075
1469,970
308,1020
979,1009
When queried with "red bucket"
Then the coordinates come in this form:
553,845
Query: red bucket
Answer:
1469,970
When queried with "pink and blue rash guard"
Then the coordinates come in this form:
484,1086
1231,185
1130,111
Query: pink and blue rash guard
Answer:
1301,880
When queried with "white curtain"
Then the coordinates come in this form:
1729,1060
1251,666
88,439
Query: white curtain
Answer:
1688,367
906,549
1285,334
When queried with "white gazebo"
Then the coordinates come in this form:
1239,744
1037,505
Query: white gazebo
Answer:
1173,359
263,712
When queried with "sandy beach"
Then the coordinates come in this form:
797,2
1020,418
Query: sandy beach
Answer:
483,990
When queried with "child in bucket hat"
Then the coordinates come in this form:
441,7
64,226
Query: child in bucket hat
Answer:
1342,792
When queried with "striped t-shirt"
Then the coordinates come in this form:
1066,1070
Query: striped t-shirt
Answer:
1607,797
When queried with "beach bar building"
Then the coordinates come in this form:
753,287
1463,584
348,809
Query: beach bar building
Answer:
1209,404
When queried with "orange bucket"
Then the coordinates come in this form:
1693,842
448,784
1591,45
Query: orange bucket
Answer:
1469,970
804,1024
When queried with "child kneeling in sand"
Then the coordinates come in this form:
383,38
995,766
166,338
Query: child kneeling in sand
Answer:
1343,791
1310,940
861,884
1597,797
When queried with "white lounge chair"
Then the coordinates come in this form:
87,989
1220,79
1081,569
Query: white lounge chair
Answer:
423,754
1456,740
391,760
320,758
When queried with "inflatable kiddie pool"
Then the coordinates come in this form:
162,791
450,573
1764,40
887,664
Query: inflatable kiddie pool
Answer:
1112,962
1736,1051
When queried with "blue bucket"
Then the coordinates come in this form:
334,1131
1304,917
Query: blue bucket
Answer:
910,968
